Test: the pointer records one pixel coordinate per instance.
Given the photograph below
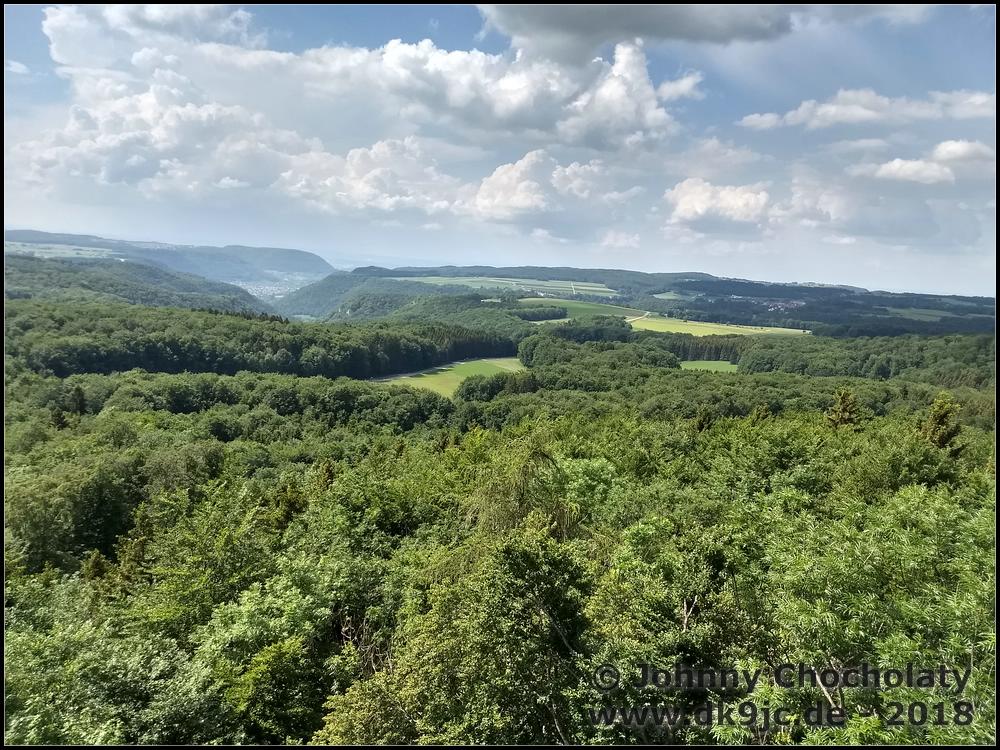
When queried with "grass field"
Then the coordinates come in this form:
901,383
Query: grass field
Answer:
699,328
576,309
917,313
668,295
520,285
446,379
708,364
641,320
56,251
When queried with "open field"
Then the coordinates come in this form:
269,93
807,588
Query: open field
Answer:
700,328
668,295
711,365
520,285
56,251
644,321
446,379
917,313
577,309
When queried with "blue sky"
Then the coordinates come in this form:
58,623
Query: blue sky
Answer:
841,144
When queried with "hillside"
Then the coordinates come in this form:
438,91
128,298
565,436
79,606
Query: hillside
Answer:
108,280
262,270
354,295
825,309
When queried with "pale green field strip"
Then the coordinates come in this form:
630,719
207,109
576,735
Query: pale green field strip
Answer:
700,328
711,365
645,321
446,379
522,285
55,251
918,313
576,309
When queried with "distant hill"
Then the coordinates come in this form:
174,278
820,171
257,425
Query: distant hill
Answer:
356,296
263,270
119,280
827,309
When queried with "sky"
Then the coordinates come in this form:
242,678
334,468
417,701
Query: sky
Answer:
835,144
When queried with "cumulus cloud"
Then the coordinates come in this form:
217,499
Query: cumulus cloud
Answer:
685,87
390,175
579,179
963,151
515,189
621,107
914,170
694,199
862,106
947,160
188,109
614,238
573,32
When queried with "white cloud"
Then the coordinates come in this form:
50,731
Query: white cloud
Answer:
695,198
391,175
614,238
15,67
861,106
906,170
515,189
620,108
685,87
962,151
579,179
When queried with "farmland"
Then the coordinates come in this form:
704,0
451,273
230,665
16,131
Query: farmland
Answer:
710,365
699,328
641,320
444,380
519,285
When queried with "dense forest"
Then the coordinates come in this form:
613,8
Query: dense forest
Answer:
89,280
220,529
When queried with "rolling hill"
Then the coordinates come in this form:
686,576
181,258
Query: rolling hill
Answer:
118,280
262,270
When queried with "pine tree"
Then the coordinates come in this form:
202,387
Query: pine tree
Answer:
941,428
845,410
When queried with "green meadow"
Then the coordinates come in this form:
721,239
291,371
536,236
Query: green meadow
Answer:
554,286
644,321
712,365
446,379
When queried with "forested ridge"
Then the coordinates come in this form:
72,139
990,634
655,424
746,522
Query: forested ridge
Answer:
827,310
218,532
67,339
120,281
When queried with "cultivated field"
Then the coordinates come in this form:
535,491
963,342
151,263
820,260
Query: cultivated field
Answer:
712,365
700,328
446,379
519,285
56,251
642,320
577,309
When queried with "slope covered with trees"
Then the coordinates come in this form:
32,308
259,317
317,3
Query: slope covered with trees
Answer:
117,281
212,536
232,263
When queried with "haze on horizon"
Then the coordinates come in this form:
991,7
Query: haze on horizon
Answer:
834,144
